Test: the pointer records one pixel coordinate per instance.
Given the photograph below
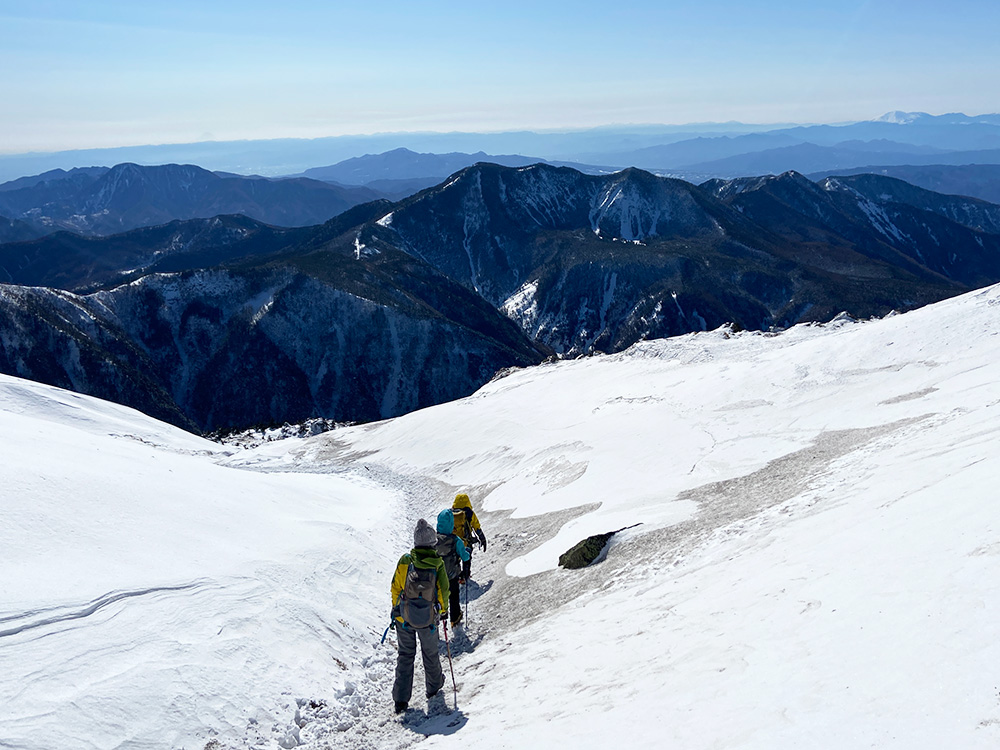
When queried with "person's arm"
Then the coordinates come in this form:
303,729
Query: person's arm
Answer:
482,538
444,589
399,581
463,553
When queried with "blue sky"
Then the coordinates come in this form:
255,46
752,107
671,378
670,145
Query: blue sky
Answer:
107,73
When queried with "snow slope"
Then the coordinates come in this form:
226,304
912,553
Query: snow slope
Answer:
150,597
817,565
819,556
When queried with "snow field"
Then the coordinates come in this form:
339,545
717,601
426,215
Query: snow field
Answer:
151,597
816,566
818,549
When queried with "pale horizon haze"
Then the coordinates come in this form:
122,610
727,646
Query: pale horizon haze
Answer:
106,74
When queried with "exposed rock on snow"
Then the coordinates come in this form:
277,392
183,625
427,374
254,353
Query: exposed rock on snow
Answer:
592,549
584,553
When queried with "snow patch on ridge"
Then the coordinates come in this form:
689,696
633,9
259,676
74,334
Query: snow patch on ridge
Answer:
522,305
636,218
877,215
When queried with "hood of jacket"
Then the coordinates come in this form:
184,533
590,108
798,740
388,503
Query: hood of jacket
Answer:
462,501
425,557
446,521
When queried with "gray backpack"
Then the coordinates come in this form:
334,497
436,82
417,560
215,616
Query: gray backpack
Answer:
448,551
418,602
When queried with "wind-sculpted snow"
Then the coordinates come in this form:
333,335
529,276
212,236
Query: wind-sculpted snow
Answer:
154,598
16,624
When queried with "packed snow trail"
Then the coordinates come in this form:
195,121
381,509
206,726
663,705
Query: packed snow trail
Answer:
818,541
360,716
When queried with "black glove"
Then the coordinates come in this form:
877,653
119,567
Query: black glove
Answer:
444,617
482,538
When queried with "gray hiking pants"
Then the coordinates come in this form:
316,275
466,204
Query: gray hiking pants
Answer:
433,677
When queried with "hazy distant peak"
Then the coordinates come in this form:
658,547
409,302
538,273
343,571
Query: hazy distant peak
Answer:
901,118
53,175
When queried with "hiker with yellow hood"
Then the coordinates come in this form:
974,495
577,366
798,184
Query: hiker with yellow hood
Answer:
467,528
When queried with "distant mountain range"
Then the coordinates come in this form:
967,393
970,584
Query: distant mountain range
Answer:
404,164
808,157
400,173
620,146
101,201
392,306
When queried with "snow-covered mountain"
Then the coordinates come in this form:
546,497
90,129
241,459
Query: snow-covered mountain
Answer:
226,323
64,260
875,217
598,262
901,118
815,562
264,343
976,180
979,215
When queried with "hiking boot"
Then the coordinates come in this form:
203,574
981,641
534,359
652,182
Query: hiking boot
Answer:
400,706
434,692
456,619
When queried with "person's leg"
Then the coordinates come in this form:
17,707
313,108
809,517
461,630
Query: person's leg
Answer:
403,686
454,601
433,676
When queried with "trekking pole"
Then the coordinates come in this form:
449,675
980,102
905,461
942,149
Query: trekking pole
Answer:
444,626
467,579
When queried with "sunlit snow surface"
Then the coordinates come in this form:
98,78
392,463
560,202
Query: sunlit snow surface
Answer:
817,565
148,595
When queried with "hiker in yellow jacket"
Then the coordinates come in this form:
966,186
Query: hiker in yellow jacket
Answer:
419,600
467,528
